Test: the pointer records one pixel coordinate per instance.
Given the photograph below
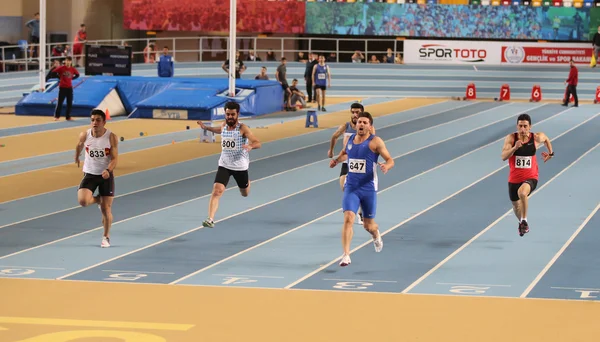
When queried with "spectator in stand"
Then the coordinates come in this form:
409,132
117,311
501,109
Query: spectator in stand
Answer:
66,74
252,57
271,56
239,65
357,57
301,58
34,27
374,59
389,57
297,95
596,45
80,40
263,74
149,53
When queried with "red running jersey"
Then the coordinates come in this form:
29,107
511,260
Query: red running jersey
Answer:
523,163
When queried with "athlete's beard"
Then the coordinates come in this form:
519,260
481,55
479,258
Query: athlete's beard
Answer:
354,120
231,122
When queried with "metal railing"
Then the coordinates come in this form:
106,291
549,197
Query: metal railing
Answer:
194,49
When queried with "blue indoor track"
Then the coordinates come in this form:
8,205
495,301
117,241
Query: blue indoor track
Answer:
444,212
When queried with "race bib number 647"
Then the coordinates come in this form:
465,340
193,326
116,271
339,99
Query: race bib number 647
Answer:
357,165
523,162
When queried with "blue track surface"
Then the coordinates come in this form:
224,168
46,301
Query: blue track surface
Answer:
444,211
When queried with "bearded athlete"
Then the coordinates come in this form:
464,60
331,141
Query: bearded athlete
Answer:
347,130
235,159
520,149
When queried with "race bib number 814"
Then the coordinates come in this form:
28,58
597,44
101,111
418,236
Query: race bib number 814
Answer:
357,165
523,162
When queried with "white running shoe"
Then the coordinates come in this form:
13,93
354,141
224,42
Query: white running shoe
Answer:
345,260
378,243
359,217
105,242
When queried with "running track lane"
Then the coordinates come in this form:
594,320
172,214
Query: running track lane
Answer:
148,229
319,242
49,203
207,246
423,242
58,226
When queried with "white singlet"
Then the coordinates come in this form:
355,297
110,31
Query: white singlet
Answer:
233,156
97,153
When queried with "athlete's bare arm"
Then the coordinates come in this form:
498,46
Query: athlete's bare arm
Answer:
342,156
79,147
254,142
215,130
542,138
114,152
384,153
508,149
336,135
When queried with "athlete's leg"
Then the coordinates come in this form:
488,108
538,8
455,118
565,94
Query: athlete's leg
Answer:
106,193
85,193
523,192
343,173
350,204
107,218
368,202
221,180
517,210
323,91
243,182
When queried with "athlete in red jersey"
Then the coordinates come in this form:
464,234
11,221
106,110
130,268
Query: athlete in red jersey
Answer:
520,148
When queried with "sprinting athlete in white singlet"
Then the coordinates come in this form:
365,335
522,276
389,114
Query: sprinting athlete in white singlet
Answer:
347,130
101,152
235,159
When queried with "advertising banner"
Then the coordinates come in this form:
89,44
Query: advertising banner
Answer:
494,53
545,54
451,52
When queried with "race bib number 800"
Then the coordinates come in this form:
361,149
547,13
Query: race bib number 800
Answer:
228,144
523,162
357,165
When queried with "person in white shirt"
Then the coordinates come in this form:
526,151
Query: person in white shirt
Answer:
101,155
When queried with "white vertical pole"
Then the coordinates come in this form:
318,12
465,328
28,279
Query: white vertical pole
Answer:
232,44
42,45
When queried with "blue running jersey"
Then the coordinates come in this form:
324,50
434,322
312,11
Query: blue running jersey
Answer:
362,165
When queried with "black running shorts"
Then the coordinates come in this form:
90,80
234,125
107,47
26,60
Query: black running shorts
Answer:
106,187
513,188
241,177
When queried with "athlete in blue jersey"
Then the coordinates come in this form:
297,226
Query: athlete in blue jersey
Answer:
321,78
347,130
362,151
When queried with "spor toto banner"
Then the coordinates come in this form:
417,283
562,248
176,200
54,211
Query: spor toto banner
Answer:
451,52
546,53
494,53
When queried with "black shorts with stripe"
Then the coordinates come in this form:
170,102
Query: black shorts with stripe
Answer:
106,187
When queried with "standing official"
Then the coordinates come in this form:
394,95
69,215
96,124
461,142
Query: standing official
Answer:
165,64
572,86
66,74
308,77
